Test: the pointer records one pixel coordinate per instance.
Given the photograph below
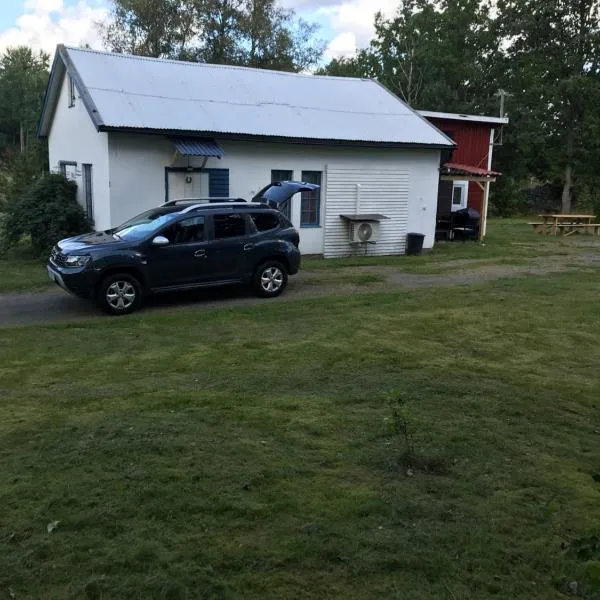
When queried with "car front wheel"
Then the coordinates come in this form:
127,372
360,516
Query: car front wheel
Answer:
119,294
270,279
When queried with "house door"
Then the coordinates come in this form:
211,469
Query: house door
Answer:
187,184
460,195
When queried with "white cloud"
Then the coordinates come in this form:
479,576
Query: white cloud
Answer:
343,44
353,22
46,23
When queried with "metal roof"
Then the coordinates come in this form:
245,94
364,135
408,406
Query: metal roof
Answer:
459,117
191,146
138,93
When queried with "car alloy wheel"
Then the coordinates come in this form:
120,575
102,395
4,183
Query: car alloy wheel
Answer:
120,295
271,279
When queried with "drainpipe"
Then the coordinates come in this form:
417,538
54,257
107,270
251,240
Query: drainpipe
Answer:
357,207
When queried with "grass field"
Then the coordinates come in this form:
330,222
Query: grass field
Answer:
250,452
21,271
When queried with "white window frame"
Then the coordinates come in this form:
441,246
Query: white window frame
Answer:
464,187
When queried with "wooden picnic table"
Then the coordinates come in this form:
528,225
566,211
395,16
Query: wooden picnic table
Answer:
568,224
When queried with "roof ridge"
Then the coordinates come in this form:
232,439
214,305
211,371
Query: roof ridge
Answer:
234,103
125,55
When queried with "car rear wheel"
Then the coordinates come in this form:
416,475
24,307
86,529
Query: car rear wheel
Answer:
119,294
270,279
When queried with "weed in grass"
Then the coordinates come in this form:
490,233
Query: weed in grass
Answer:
409,459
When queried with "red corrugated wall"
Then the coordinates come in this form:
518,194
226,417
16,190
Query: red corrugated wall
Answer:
472,141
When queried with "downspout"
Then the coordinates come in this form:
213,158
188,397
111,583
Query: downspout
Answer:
486,191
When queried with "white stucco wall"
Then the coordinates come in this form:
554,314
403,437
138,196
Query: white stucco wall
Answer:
137,176
73,137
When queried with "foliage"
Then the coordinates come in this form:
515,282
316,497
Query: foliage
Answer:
456,56
23,78
552,67
256,33
434,54
506,199
47,212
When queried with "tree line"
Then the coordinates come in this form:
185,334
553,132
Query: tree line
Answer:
455,55
441,55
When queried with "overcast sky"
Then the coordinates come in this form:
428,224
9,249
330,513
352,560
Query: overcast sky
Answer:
345,24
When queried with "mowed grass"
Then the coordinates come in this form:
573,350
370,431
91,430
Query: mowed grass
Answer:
508,241
249,452
21,271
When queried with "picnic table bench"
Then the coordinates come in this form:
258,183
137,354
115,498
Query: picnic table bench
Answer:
552,224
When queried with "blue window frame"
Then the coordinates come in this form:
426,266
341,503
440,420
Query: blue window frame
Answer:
310,201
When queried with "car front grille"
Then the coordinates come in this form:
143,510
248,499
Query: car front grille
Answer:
57,257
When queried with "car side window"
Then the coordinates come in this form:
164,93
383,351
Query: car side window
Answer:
265,221
187,231
229,225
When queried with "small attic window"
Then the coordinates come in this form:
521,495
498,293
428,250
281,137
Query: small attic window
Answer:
71,92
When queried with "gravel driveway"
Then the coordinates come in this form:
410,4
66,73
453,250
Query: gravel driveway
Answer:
56,306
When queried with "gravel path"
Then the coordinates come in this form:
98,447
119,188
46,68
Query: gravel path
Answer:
56,306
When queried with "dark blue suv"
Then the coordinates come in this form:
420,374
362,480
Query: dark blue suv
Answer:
183,245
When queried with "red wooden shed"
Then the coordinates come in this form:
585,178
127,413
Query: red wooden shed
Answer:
465,176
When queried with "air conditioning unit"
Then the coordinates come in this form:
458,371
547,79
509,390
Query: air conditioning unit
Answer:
364,232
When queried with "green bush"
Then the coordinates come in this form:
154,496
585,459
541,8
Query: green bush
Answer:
47,212
506,199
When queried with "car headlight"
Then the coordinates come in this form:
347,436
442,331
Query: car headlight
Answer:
76,261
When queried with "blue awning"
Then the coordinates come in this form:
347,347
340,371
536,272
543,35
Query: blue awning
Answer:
190,146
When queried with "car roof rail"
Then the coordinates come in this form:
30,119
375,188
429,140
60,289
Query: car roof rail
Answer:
232,205
198,201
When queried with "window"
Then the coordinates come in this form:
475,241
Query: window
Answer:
460,192
310,201
87,188
228,226
283,175
188,231
68,169
265,221
71,92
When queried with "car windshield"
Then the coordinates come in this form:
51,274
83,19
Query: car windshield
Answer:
146,224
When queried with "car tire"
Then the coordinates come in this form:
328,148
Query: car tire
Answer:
270,279
119,294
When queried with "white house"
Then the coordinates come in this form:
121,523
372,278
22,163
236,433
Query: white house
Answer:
134,132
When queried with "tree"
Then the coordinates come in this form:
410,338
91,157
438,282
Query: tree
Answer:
434,54
257,33
553,69
23,79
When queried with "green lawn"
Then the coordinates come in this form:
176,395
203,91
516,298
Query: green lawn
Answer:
20,271
249,453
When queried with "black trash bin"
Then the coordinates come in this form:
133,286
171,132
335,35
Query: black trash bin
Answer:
414,243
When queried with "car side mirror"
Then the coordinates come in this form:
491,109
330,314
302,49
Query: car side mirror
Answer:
160,240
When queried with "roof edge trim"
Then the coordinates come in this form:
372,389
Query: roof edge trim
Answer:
219,135
62,63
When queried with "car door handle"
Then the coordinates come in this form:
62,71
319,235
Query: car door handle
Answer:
200,254
248,247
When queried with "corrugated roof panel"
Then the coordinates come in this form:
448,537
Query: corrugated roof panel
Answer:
144,93
189,146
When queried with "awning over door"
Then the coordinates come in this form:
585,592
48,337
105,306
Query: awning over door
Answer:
196,146
453,171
